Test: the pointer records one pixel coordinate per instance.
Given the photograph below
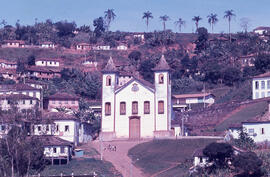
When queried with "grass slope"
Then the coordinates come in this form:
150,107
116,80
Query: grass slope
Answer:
83,166
246,113
158,155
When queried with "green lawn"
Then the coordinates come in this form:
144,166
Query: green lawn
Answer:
249,112
157,155
83,166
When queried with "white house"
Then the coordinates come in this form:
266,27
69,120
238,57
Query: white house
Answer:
102,47
56,150
47,45
47,62
261,86
261,30
60,125
8,64
20,88
136,109
122,47
259,131
200,160
22,102
83,46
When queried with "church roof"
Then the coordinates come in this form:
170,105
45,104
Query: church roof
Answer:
162,65
144,83
110,66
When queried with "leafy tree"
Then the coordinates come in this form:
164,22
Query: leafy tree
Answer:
228,15
147,15
65,28
262,63
31,60
109,17
164,19
145,70
180,22
99,26
201,42
247,164
135,57
212,20
196,19
219,154
231,75
244,141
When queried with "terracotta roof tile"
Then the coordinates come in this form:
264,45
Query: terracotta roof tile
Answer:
162,65
267,74
50,140
64,96
195,95
17,87
16,97
110,66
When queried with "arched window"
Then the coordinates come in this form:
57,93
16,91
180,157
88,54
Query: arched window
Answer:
161,107
108,80
161,78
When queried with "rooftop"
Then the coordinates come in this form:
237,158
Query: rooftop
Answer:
17,87
162,65
194,95
16,97
267,74
49,140
63,96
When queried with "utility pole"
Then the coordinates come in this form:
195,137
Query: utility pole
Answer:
184,117
203,94
101,147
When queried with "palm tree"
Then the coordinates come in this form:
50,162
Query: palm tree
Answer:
229,14
164,18
212,20
197,19
109,17
147,15
179,23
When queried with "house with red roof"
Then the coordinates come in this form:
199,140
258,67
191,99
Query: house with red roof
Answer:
8,64
50,62
20,101
41,72
47,45
83,46
261,30
14,43
136,109
62,100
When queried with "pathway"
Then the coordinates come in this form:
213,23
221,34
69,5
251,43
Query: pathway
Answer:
119,158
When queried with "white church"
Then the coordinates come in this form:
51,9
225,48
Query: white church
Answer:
136,109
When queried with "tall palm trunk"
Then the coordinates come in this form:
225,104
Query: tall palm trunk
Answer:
230,30
164,26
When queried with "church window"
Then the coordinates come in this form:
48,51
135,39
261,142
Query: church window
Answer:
123,108
134,107
263,85
108,80
146,107
161,78
256,85
161,107
107,108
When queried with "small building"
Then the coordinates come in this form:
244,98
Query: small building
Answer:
247,60
261,30
56,150
182,100
14,43
122,47
261,86
22,102
41,72
50,62
47,45
258,130
200,160
59,124
8,73
96,107
139,36
8,64
83,46
21,89
36,84
102,47
62,100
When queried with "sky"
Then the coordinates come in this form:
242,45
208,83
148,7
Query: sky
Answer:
129,12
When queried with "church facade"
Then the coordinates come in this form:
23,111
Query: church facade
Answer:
136,109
